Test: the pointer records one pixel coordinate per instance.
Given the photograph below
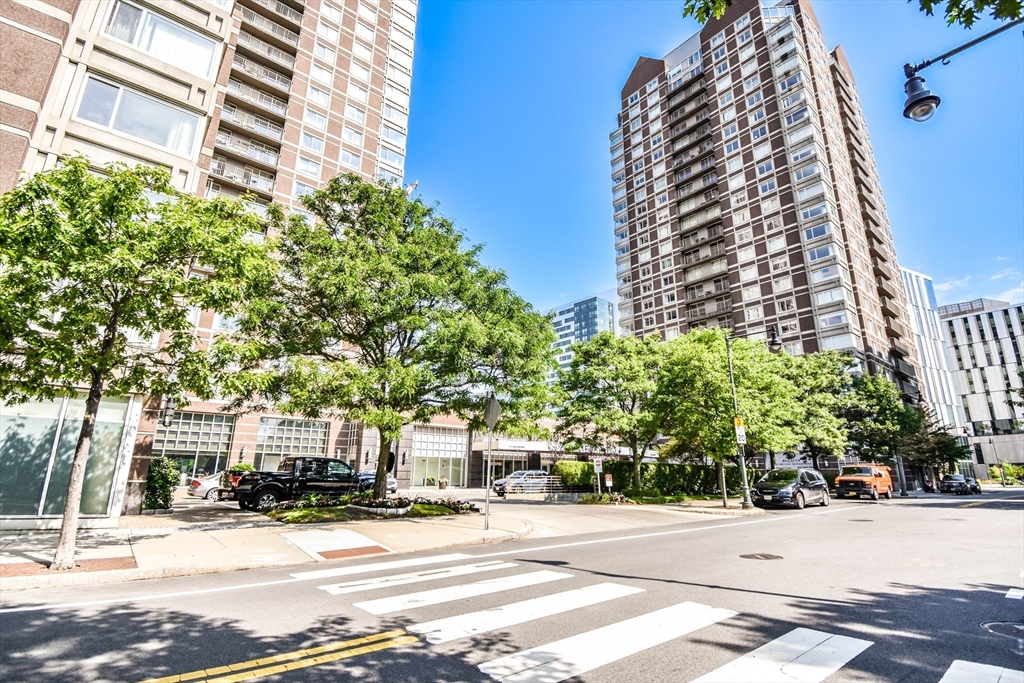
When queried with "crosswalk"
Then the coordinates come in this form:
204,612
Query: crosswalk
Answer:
802,655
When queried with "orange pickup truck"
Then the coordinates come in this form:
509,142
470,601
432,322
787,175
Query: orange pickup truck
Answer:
865,480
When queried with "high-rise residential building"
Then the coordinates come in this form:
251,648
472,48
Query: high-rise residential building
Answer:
930,342
579,321
986,342
746,196
270,97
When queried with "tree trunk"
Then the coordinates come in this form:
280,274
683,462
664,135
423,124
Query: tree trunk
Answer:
720,469
64,558
380,482
637,458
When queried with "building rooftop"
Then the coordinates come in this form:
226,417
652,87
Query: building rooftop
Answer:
966,307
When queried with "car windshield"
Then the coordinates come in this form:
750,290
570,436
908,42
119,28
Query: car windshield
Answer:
286,465
520,473
953,477
779,477
856,472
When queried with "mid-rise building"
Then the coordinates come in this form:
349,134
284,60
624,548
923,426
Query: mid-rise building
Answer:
745,194
579,321
269,97
986,342
930,342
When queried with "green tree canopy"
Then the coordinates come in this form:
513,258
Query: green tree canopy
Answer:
963,12
877,418
610,396
931,444
383,316
98,272
824,388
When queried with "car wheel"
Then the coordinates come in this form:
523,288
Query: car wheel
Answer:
243,505
826,499
799,499
888,494
266,499
211,494
874,494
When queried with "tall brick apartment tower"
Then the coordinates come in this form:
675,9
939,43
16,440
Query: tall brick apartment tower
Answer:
272,97
746,196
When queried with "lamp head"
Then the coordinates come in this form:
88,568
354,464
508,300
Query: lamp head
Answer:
774,343
921,103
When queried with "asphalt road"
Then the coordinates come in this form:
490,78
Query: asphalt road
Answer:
858,591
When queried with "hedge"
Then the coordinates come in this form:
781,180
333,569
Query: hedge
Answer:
574,473
670,479
160,482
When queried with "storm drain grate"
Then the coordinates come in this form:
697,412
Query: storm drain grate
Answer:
860,520
1010,629
761,556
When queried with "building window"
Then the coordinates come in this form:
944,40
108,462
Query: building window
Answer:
776,243
785,305
325,53
301,190
166,40
328,33
826,273
830,296
393,135
814,211
315,119
767,186
357,93
350,159
277,438
748,273
321,74
308,167
753,313
765,167
360,72
796,116
754,99
312,142
833,320
139,116
817,231
820,253
318,96
783,284
197,442
352,135
732,146
392,157
751,83
331,12
780,263
806,171
353,113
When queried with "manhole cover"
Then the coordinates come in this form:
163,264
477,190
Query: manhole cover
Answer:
860,520
1010,629
952,519
761,556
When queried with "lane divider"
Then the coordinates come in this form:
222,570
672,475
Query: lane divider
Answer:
289,661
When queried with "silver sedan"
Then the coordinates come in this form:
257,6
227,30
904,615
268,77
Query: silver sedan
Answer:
205,487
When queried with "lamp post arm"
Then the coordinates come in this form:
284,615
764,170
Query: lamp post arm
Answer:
910,70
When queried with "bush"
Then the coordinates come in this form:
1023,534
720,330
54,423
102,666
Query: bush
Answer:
672,479
603,499
241,467
574,473
160,482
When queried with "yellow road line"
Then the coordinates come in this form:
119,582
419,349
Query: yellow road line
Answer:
275,659
976,504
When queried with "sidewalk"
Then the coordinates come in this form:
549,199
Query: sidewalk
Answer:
203,537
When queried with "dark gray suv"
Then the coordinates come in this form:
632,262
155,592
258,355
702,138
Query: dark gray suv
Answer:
791,487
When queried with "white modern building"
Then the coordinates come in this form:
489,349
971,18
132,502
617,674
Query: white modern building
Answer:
579,321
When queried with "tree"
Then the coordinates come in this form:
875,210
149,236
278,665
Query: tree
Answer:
877,418
696,386
382,316
963,12
931,444
824,387
92,263
609,395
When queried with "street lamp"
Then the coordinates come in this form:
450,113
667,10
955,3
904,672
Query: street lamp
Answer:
921,103
774,345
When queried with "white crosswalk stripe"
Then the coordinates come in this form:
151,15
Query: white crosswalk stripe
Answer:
470,590
972,672
1015,594
578,654
379,566
464,625
414,577
800,656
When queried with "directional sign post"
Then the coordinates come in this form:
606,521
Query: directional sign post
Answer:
741,435
492,416
597,471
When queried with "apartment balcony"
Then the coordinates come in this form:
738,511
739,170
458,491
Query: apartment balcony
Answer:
881,269
249,150
865,193
909,390
263,74
877,248
895,328
711,290
888,306
262,48
897,351
722,307
696,152
903,368
239,175
871,215
887,289
271,31
715,251
257,98
874,233
280,10
252,123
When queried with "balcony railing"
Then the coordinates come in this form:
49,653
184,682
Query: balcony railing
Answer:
257,97
281,9
268,26
262,73
242,175
256,124
264,48
244,147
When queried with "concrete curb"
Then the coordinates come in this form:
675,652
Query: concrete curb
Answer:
724,512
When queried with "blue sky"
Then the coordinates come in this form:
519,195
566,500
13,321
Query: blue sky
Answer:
513,102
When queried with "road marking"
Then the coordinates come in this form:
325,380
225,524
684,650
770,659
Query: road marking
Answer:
972,672
379,566
292,660
313,543
800,656
451,593
1015,594
463,625
415,577
992,500
587,651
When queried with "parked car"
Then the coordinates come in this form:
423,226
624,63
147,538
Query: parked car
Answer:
367,477
499,486
796,487
205,487
959,484
527,481
293,478
866,480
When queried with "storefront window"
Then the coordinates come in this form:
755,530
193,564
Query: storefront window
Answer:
198,442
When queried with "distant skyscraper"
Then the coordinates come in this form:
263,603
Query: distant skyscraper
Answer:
932,350
580,321
746,196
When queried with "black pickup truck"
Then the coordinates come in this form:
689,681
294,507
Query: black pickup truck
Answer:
294,478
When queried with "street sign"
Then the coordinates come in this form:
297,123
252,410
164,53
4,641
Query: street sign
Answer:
741,434
738,421
608,481
493,412
597,464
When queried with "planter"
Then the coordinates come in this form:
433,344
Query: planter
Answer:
158,511
389,512
442,486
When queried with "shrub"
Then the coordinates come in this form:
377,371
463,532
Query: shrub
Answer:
574,473
603,499
671,479
160,482
241,467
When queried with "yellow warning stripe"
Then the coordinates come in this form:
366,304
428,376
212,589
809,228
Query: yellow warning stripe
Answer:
291,657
